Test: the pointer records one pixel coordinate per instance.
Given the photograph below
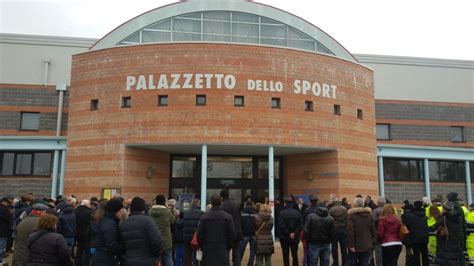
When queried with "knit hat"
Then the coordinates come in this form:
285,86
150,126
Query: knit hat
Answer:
39,207
137,205
452,196
113,205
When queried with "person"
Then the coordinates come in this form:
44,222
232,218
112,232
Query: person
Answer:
232,208
434,214
106,244
178,240
345,204
360,233
141,236
216,234
470,234
376,213
388,235
24,230
45,247
5,226
190,225
319,232
339,214
83,217
300,205
417,239
264,247
164,219
450,246
67,221
313,200
290,223
248,230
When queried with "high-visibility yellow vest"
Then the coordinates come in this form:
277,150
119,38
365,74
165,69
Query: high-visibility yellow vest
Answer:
470,236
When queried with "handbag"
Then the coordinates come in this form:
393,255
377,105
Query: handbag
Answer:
194,241
403,232
443,230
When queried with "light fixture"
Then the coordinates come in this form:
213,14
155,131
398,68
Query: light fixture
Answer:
309,172
150,172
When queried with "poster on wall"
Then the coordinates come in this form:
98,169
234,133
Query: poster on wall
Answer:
185,202
108,193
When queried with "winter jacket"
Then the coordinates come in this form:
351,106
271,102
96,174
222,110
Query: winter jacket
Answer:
46,248
308,211
19,209
417,224
141,239
376,214
248,221
5,221
164,219
360,229
388,229
290,221
190,223
339,214
178,237
301,210
264,238
449,248
23,231
67,222
229,206
83,219
319,227
216,235
106,241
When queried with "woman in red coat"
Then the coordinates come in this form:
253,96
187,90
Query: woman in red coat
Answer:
388,236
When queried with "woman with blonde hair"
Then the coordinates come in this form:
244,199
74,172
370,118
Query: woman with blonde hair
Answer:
263,236
388,236
45,246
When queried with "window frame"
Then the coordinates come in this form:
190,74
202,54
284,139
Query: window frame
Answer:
32,164
202,96
337,109
94,105
21,121
457,177
419,170
360,114
308,106
160,97
389,127
278,101
463,139
236,97
124,101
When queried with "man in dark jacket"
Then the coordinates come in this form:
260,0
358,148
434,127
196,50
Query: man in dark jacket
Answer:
140,236
319,233
83,219
360,233
190,225
290,223
248,229
216,234
229,206
313,200
5,225
107,236
67,223
417,239
339,214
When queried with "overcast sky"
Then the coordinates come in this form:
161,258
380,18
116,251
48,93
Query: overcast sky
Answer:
420,28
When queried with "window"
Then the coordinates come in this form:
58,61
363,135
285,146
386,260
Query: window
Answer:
360,115
403,169
200,100
308,106
29,121
383,131
457,134
94,104
276,103
163,100
337,109
25,163
126,102
447,171
263,168
238,100
184,167
229,167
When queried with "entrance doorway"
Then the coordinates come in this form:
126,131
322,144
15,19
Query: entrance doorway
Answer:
243,176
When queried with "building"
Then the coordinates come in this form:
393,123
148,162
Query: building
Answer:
203,95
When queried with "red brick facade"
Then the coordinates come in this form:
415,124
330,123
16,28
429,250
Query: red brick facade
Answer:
98,157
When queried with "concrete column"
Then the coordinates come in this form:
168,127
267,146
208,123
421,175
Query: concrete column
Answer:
54,181
381,177
468,183
426,171
203,177
271,189
63,169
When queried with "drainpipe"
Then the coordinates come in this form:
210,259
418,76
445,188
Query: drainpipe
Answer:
54,182
61,88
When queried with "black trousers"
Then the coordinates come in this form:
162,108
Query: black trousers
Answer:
286,246
420,255
236,254
390,255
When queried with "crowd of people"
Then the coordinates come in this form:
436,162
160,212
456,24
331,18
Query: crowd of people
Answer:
66,231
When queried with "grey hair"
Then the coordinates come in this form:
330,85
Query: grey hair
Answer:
85,202
381,201
359,202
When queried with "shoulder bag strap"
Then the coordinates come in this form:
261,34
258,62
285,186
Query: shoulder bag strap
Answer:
261,226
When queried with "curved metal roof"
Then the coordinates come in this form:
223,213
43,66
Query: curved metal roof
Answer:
190,9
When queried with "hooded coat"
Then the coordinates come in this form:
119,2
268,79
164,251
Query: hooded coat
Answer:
360,229
319,227
67,222
46,248
417,224
450,248
107,241
263,234
164,219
